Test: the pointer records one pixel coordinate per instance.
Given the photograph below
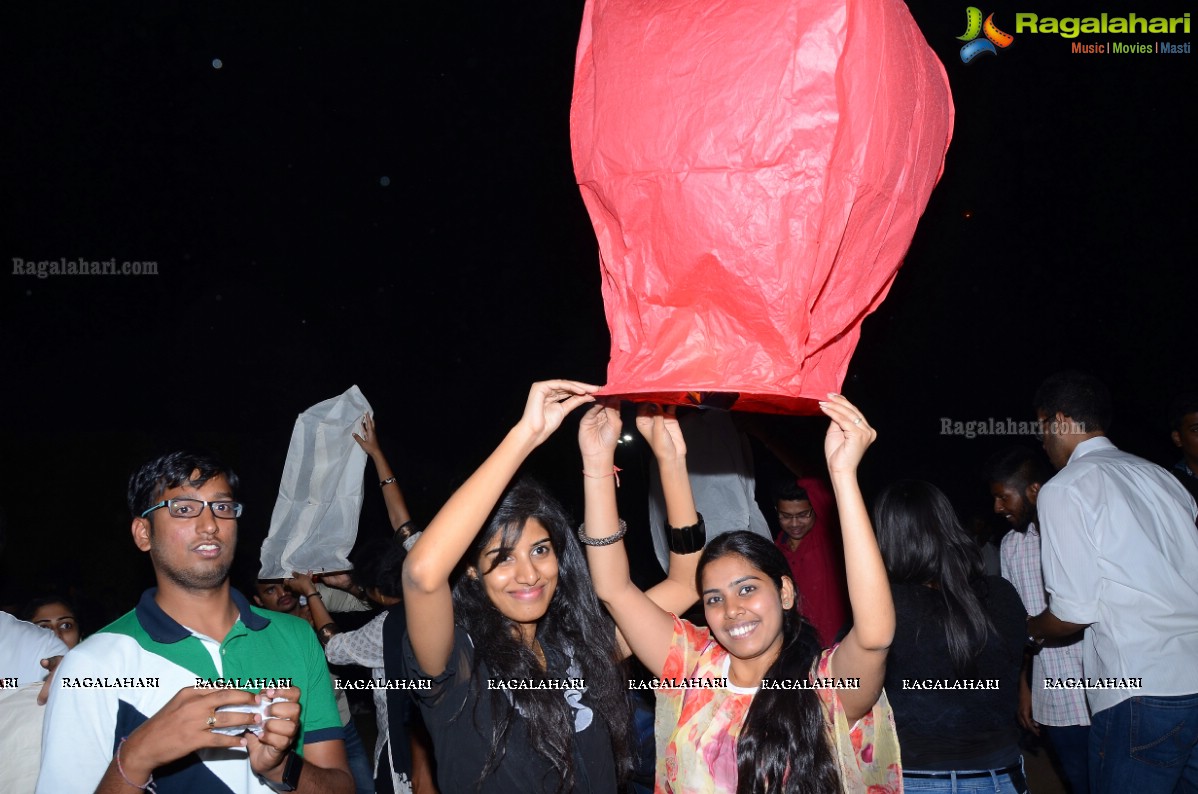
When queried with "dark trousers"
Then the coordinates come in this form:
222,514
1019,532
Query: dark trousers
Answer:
1071,745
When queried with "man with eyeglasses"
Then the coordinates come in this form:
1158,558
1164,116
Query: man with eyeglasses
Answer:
141,704
810,546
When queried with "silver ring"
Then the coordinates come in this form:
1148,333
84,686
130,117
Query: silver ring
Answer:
857,421
211,720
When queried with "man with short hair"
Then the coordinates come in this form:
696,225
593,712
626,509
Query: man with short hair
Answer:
140,702
1183,421
1015,476
811,546
278,597
1120,557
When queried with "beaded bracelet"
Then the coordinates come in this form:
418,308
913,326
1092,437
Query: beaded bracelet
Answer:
610,539
386,482
149,785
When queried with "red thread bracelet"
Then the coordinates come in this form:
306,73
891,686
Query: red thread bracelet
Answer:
615,472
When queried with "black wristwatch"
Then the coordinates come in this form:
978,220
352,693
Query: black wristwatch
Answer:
291,774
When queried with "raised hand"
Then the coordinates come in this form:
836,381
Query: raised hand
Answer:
342,581
369,440
549,402
599,432
849,435
300,583
659,425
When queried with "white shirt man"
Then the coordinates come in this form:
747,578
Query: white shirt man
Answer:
1120,554
1120,557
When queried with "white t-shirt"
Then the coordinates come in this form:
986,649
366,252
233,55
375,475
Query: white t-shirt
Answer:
1120,553
22,648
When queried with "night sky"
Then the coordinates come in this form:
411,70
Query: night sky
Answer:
382,194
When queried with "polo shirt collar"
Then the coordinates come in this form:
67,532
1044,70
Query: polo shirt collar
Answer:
164,629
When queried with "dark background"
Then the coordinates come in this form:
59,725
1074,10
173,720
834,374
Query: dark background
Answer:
1062,234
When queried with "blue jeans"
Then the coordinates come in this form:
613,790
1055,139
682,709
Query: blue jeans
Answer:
359,761
1071,745
996,783
1146,745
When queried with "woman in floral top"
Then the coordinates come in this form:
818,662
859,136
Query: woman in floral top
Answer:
753,704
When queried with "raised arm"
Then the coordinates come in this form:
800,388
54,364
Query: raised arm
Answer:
321,620
643,619
428,600
660,428
397,507
862,654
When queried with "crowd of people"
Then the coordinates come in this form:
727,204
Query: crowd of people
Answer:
861,650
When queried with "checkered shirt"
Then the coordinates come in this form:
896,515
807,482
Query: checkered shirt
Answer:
1020,554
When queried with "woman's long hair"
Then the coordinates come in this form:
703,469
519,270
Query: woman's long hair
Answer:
923,543
783,747
574,625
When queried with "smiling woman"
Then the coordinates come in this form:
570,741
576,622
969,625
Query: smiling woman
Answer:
520,569
770,725
522,609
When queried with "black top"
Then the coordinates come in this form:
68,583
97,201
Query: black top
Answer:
400,711
945,729
459,721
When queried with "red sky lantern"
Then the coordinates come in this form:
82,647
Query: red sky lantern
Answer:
754,171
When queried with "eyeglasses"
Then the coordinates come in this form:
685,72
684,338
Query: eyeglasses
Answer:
191,508
803,516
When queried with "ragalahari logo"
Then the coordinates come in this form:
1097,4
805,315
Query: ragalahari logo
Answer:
973,27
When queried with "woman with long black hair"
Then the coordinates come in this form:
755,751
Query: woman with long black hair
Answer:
503,646
953,673
772,719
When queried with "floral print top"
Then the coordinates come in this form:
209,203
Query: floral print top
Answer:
697,726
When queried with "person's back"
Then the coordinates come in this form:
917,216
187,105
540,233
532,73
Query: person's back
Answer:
953,671
1139,587
948,719
1120,558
